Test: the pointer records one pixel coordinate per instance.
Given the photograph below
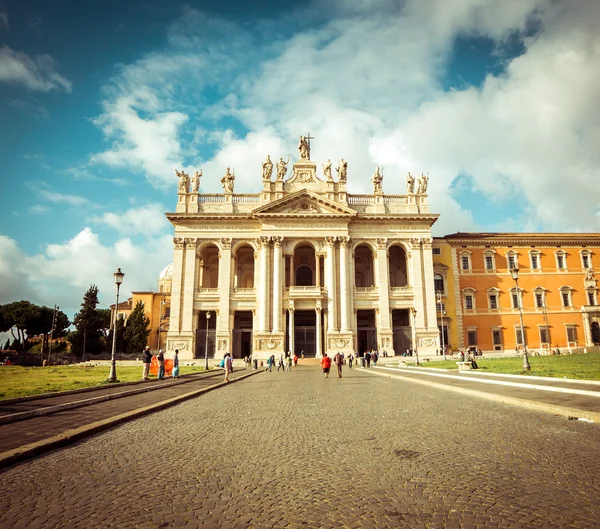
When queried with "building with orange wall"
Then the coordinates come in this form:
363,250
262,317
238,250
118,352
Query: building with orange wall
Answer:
556,290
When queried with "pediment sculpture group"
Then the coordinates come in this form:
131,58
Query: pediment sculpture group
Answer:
185,182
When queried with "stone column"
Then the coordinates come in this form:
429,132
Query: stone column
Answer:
331,286
429,303
318,270
189,275
224,290
277,292
318,311
176,286
291,329
384,279
263,282
344,283
418,285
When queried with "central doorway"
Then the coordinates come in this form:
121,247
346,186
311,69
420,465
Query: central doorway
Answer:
305,333
242,334
367,331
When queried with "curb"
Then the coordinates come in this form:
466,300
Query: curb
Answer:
528,404
18,455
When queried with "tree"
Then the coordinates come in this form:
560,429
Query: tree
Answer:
88,324
15,316
104,318
136,331
120,344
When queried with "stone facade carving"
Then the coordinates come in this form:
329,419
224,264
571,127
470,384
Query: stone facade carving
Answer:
196,181
267,168
422,185
304,148
330,241
223,345
410,184
338,343
183,185
381,243
327,170
226,243
227,181
178,243
342,170
269,344
281,169
377,179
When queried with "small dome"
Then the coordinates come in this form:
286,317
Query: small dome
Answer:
167,273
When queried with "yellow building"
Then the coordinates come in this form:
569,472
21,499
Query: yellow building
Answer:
555,289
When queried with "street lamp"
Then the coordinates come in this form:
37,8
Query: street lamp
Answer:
514,272
206,342
112,377
439,299
414,325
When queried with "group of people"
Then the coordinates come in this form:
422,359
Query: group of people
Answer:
160,358
285,362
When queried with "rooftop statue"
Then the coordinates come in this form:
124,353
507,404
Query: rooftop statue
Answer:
227,181
423,182
410,184
342,170
304,148
327,170
196,181
267,168
281,169
183,186
377,179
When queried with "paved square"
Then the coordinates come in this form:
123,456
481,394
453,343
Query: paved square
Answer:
298,450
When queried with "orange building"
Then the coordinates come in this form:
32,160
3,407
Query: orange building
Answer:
555,289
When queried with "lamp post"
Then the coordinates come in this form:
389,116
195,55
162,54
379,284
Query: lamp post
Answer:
52,333
112,377
414,325
439,299
546,321
514,272
160,319
206,342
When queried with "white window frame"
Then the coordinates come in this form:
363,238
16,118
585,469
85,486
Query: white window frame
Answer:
594,293
564,259
537,254
569,291
497,346
467,254
519,292
443,291
469,292
588,254
492,255
539,291
515,257
571,343
493,292
541,328
476,331
523,338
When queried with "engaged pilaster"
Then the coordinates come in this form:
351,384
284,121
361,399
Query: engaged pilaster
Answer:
344,294
277,292
331,286
263,243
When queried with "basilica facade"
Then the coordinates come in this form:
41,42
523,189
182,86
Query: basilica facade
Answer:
302,266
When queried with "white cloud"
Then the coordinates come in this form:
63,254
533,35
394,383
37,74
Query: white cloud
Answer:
39,74
61,273
148,220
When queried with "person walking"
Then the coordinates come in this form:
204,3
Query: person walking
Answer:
326,365
161,364
228,366
281,365
339,361
295,360
176,364
350,360
368,359
375,358
288,363
147,360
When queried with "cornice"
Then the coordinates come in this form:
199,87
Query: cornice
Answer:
522,239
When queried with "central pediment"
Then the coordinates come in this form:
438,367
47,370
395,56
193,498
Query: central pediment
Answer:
304,203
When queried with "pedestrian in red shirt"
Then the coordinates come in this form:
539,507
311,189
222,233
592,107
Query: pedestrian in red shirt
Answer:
326,364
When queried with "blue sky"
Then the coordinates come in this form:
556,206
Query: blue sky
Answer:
101,101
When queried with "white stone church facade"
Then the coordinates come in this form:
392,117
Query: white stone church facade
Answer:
302,266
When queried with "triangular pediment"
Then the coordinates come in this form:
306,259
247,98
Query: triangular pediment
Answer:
304,203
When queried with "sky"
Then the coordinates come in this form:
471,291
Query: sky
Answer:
100,102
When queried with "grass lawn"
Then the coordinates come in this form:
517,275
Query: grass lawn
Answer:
580,366
18,381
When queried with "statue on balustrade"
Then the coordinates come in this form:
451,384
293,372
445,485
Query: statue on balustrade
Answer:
423,182
267,167
281,169
377,179
342,170
410,184
227,181
327,170
304,148
196,181
183,185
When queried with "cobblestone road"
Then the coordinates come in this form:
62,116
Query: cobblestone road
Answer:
297,450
